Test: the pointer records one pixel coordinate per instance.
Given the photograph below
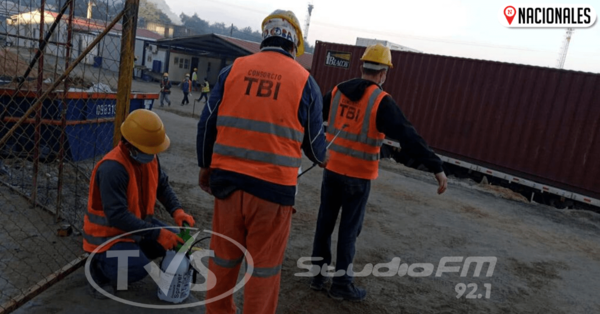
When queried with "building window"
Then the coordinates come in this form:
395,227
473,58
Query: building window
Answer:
187,64
176,60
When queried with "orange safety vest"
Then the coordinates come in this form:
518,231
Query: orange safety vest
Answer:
355,152
141,197
258,131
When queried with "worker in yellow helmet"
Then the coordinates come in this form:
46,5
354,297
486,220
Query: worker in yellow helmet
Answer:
263,111
124,187
195,79
363,115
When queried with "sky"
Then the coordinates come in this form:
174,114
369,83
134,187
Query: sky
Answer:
461,28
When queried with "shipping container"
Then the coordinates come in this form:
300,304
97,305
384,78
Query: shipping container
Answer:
534,123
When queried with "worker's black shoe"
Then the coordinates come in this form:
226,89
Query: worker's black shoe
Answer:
318,282
347,292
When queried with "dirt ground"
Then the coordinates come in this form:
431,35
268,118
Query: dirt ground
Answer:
547,260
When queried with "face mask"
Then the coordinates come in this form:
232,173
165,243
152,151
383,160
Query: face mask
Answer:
140,157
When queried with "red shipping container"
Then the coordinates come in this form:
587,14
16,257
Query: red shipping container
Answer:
542,124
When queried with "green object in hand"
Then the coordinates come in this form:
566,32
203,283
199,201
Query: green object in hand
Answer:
185,235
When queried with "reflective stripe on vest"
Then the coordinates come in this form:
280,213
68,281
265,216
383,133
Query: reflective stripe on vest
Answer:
260,126
103,221
255,155
354,153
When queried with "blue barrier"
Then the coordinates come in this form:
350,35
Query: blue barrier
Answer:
89,126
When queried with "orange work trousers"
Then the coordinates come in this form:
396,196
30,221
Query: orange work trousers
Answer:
262,227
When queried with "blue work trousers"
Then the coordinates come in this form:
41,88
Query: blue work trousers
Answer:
349,194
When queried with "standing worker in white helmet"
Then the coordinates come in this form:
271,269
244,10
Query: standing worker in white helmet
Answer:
124,187
364,115
263,111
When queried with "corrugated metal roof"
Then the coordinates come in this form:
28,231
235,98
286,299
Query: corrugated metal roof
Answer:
539,123
82,24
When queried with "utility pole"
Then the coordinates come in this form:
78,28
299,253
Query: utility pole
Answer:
231,31
562,56
310,8
126,65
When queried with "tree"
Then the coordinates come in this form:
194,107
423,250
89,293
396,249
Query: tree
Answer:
148,12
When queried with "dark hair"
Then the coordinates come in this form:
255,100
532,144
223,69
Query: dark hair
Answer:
278,42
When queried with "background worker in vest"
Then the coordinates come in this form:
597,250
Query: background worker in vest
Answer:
165,90
186,87
263,111
195,79
205,90
365,114
124,188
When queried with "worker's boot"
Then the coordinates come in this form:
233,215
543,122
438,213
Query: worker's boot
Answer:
319,282
347,292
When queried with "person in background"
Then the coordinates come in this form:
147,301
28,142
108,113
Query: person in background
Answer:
187,89
205,90
363,115
251,135
124,187
195,80
165,90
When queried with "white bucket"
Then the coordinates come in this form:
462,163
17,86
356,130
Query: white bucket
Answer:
175,284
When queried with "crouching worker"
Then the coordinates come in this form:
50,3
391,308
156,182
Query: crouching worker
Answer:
124,188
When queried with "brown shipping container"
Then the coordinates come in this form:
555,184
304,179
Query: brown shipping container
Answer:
542,124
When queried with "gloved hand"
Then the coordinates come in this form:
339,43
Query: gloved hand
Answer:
168,239
180,216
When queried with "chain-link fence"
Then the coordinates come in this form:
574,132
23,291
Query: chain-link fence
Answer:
59,74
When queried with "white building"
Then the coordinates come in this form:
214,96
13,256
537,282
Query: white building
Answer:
23,30
364,42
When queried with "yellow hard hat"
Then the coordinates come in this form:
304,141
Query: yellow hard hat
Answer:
195,69
166,74
145,131
282,23
377,54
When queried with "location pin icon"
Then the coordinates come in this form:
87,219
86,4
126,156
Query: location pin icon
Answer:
509,13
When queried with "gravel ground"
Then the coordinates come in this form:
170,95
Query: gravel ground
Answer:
546,260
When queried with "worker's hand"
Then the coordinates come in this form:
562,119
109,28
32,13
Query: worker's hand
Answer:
442,182
324,163
168,239
204,179
180,217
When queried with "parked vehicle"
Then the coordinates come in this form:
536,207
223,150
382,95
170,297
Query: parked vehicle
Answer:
535,130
